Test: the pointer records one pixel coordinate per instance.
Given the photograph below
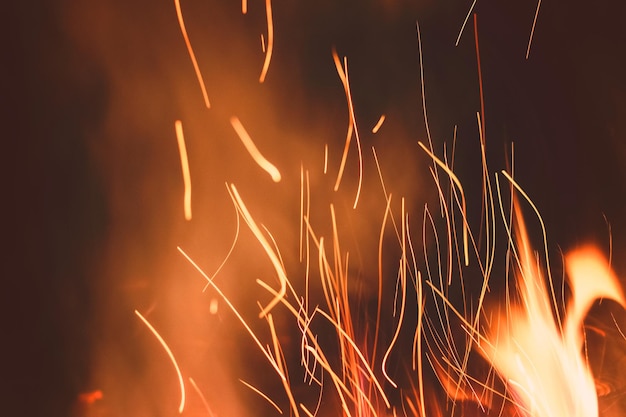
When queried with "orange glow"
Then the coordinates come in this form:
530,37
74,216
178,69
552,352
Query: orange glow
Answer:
342,71
90,397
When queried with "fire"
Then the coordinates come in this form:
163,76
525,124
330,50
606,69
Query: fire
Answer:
355,306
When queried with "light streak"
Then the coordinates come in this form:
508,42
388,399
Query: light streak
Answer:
463,204
267,354
182,149
270,41
342,71
378,124
244,6
266,165
196,67
423,96
202,397
282,277
469,13
262,395
156,334
532,30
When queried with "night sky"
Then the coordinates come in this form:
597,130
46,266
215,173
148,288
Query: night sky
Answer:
565,109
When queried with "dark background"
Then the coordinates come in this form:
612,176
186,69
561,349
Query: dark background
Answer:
565,108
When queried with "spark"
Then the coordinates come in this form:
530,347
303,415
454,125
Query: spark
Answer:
270,41
244,6
182,149
378,124
266,165
403,267
230,250
262,395
202,397
480,82
460,188
342,71
423,95
532,30
181,406
196,67
469,13
267,354
280,271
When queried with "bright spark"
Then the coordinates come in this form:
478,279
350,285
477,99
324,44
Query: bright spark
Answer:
254,151
182,149
532,30
181,407
202,397
378,124
262,395
196,67
270,40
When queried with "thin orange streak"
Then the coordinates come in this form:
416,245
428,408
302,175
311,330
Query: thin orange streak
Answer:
267,354
182,149
202,397
244,6
423,94
270,40
262,395
342,71
460,187
378,124
480,81
325,158
230,251
469,13
281,364
380,276
254,151
282,277
196,67
545,240
403,265
181,407
532,30
301,240
358,352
